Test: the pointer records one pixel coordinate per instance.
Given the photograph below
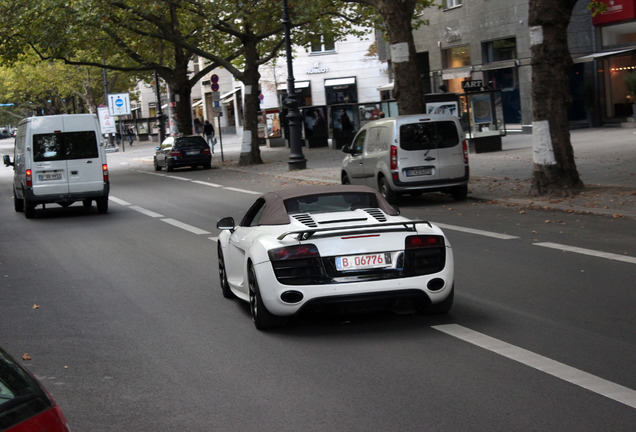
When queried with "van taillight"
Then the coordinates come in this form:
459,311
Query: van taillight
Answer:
394,159
29,178
394,163
105,172
465,145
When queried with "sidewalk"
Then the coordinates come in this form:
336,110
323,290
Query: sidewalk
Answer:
605,158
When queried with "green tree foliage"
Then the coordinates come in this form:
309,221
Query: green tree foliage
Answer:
143,36
52,87
398,18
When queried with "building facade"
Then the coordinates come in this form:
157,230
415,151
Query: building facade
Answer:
489,40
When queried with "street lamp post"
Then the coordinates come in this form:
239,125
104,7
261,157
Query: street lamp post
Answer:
297,160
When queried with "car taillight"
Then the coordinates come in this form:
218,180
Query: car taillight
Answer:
465,145
293,252
425,254
105,172
467,167
29,178
423,241
206,151
175,153
394,159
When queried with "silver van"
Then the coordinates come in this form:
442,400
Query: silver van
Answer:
409,154
59,159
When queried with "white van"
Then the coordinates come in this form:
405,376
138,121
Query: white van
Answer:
409,154
59,159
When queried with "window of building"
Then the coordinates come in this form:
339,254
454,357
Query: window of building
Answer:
456,57
323,43
499,50
453,3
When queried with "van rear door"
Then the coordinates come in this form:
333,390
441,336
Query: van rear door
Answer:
66,162
450,151
50,174
83,162
418,155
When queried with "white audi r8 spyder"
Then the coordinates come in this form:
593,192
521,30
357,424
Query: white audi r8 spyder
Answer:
319,246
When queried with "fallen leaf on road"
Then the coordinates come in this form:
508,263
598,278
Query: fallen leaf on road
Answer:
35,306
26,356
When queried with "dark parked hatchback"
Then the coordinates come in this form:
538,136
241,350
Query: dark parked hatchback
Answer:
24,404
176,152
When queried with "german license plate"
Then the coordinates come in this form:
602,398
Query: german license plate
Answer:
192,153
50,176
361,262
414,172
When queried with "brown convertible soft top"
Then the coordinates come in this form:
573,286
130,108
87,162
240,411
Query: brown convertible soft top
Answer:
275,212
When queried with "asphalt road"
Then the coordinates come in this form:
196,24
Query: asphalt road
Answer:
125,323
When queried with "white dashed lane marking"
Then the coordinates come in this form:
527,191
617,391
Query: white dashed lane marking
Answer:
567,373
589,252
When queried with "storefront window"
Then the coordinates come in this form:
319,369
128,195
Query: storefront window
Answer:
456,57
499,50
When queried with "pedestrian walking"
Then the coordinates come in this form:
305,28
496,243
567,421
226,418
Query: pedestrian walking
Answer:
208,131
131,135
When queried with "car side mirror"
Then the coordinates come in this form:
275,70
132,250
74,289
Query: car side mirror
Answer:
7,160
349,149
157,148
226,223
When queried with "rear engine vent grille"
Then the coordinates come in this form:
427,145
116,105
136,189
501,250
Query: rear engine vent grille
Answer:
306,219
378,214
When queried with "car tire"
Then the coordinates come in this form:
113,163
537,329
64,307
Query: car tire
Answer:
386,191
459,193
345,179
207,165
157,166
225,286
262,318
102,204
169,167
29,209
444,306
18,203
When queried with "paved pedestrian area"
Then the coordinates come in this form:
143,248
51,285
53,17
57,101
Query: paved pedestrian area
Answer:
605,158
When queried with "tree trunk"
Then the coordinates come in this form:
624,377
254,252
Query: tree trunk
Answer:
251,78
554,171
407,89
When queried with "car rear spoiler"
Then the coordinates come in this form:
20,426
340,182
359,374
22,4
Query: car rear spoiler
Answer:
335,231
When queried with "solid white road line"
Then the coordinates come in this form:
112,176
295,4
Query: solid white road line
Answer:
476,231
146,212
567,373
184,226
243,191
589,252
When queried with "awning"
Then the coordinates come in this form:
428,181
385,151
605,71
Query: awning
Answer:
197,103
594,56
297,85
450,74
339,81
386,87
229,95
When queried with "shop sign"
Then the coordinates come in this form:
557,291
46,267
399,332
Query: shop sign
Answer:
472,85
617,10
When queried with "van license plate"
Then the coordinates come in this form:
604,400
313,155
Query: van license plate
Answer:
414,172
361,262
50,176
